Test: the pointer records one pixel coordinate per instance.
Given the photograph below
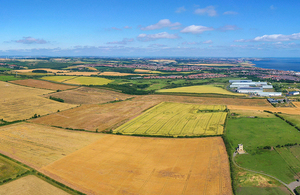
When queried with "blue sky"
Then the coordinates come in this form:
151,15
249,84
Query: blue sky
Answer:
174,28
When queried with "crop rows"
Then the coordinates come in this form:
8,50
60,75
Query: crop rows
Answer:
174,119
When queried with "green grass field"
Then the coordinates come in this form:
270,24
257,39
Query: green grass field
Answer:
10,169
261,191
260,132
8,78
58,78
175,119
89,81
295,119
200,89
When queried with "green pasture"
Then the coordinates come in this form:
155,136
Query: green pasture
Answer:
10,169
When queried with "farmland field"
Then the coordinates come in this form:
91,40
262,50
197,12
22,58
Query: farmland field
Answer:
8,78
86,95
295,119
88,81
174,119
10,169
19,102
272,109
115,74
96,117
42,84
208,100
78,73
58,78
38,145
30,185
251,113
138,165
200,89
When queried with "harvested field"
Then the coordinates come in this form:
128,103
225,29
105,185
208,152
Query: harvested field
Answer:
139,165
297,104
142,70
115,74
19,102
43,84
206,100
58,78
39,145
207,89
175,119
86,95
96,117
251,113
30,185
78,73
272,109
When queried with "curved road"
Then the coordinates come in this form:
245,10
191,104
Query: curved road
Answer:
290,186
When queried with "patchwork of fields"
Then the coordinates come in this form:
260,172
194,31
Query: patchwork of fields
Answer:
43,84
174,119
38,145
19,102
96,117
79,80
135,165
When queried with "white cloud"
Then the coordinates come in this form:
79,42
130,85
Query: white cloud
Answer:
274,37
30,40
180,9
230,13
228,27
209,10
272,7
151,37
196,29
207,42
115,28
162,24
127,27
123,42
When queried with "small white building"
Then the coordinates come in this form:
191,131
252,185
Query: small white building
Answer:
240,149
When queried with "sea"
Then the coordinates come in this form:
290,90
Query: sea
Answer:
292,64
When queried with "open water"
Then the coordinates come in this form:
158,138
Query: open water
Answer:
279,63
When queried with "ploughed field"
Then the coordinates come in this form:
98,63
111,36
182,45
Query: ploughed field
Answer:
30,185
138,165
175,119
39,145
43,84
19,102
96,117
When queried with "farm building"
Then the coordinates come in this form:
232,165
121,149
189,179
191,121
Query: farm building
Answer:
249,89
275,101
240,149
294,93
269,94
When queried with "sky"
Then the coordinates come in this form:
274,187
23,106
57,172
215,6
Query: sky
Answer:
150,28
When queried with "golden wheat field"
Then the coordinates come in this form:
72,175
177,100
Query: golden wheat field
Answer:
43,84
39,145
272,109
177,119
96,117
30,185
19,102
138,165
87,95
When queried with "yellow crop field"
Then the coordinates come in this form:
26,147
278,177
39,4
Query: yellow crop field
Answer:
174,119
200,89
88,81
141,70
39,145
139,165
58,78
19,102
272,109
30,185
78,73
96,117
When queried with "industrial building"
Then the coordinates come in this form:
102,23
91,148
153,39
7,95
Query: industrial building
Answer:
249,89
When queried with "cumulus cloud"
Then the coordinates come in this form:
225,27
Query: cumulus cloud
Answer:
127,27
123,42
115,28
209,10
162,24
230,13
180,9
30,40
151,37
274,37
207,42
196,29
228,27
